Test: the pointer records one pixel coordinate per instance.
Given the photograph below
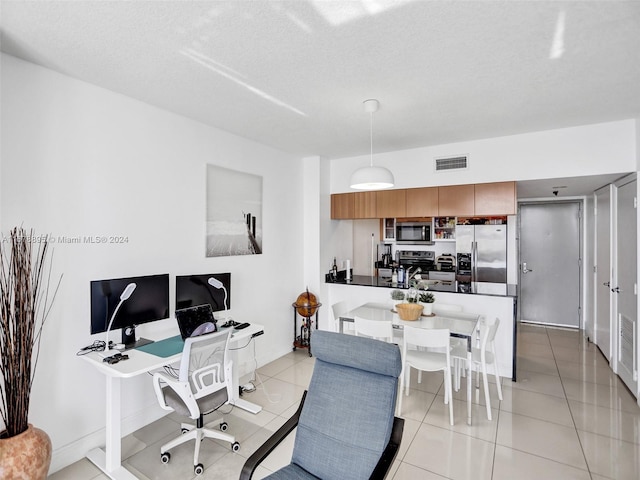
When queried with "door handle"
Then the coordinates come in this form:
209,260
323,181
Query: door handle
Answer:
616,290
525,269
607,284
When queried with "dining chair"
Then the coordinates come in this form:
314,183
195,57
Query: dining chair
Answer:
480,358
378,329
435,358
338,309
442,309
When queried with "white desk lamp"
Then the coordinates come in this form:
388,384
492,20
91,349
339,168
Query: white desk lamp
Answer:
215,283
126,293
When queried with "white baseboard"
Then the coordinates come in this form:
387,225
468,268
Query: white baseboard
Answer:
77,450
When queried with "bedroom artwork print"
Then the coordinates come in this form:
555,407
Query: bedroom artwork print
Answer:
234,212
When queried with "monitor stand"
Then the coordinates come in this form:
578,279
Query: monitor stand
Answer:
129,339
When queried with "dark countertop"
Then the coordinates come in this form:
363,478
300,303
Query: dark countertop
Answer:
368,281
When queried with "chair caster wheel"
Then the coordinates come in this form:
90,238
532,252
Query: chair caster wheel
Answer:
224,426
235,446
165,457
198,469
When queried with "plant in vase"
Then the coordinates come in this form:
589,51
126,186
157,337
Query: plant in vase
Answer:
426,299
397,296
25,451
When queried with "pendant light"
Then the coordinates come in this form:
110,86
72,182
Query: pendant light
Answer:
371,178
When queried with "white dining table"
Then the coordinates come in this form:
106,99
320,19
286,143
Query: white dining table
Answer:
461,325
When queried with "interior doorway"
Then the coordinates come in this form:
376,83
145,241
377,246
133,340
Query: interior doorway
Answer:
550,248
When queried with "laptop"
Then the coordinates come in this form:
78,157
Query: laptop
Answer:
194,321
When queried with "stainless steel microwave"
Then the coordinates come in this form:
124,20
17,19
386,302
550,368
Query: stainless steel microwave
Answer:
413,233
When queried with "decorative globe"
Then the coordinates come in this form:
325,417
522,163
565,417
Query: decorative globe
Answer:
306,304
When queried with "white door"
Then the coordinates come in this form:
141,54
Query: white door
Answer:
602,309
550,263
625,289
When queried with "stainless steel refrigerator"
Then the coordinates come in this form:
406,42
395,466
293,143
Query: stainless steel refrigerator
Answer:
486,247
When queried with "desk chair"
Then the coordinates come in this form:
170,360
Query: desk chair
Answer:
435,357
378,329
345,423
203,385
480,358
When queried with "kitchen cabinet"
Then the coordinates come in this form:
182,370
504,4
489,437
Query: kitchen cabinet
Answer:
342,206
456,200
391,203
389,229
365,205
495,198
444,229
422,202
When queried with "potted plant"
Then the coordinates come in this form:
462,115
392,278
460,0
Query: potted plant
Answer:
397,296
25,451
426,299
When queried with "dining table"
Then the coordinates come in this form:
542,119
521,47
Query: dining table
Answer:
461,325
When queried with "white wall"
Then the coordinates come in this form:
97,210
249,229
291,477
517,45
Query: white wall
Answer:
568,152
81,160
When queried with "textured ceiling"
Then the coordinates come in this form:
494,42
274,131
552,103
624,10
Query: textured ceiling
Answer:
293,74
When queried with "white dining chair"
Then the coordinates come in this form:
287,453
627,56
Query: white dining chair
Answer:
435,358
480,358
378,329
338,309
443,309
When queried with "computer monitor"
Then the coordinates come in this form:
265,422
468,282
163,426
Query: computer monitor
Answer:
192,290
149,302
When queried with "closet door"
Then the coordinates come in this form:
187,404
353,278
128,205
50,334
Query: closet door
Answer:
625,289
602,327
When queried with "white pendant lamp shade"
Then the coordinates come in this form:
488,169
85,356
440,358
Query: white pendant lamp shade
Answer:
371,178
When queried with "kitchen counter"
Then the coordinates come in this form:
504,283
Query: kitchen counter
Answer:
369,281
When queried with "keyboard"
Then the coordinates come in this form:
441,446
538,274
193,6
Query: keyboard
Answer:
241,326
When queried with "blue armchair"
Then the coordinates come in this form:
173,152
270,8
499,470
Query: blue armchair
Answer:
346,424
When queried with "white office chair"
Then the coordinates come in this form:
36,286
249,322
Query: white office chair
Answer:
338,309
434,359
203,385
480,358
378,329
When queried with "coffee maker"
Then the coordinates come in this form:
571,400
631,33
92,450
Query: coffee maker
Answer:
386,259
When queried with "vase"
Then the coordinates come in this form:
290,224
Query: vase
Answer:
428,308
26,456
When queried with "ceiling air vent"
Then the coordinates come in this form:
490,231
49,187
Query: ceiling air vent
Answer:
451,163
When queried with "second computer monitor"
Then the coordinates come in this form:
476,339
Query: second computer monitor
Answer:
192,290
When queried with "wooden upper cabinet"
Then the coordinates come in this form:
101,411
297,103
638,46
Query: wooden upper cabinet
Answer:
342,206
495,198
456,201
365,205
391,203
422,202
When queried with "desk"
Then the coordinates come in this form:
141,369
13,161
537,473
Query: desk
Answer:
460,325
109,459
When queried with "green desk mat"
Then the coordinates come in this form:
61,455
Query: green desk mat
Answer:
164,348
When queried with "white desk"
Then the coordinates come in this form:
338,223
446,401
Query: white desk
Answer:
460,325
109,459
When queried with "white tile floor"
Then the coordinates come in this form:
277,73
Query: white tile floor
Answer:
567,417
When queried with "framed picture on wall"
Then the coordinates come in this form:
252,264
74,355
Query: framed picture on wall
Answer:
234,212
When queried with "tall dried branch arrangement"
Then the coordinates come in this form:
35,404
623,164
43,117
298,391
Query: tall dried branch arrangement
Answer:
24,308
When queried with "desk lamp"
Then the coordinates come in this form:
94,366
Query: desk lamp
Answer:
215,283
126,293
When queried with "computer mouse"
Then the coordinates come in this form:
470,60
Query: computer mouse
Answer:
206,327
